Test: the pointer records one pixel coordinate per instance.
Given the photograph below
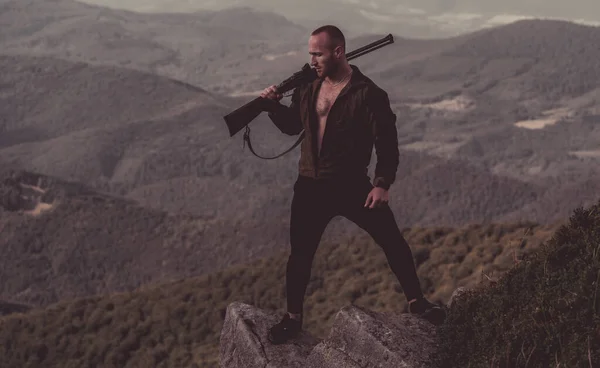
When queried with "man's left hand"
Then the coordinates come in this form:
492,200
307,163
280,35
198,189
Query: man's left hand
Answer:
377,198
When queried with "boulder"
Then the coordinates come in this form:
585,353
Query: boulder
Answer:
244,343
359,338
457,294
363,338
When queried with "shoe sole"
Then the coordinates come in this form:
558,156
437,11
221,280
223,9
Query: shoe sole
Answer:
273,342
282,341
435,315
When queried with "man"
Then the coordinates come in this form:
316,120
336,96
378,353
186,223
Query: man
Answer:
344,114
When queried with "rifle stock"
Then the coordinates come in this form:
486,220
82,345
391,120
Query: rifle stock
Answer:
242,116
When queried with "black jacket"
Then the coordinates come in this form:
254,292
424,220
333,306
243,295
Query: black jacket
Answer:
360,118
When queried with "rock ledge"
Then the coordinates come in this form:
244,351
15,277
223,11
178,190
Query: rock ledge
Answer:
359,338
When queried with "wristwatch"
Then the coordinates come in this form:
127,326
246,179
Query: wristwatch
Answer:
380,182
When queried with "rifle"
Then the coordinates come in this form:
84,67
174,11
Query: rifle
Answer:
242,116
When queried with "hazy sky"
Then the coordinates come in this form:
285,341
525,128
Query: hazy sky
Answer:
410,18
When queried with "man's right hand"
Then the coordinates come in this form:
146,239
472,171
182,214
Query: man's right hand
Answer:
271,93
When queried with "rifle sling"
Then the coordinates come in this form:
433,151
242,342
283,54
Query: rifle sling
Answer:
247,139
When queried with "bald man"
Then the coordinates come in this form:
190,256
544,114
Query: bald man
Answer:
344,115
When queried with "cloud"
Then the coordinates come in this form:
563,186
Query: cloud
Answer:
506,18
373,4
501,19
272,57
402,9
377,17
453,18
586,22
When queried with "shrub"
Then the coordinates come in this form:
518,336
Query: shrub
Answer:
543,312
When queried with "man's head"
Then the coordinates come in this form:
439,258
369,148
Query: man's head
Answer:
327,47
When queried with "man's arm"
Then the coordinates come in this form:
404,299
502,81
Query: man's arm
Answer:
287,119
383,122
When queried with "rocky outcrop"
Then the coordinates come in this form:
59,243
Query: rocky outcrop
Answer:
244,341
362,338
457,294
7,308
359,338
22,191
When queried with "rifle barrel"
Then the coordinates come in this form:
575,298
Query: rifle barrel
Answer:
370,47
365,52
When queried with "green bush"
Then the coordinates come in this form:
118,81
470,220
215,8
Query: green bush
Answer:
543,312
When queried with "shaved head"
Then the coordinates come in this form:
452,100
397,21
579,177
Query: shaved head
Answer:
335,37
327,48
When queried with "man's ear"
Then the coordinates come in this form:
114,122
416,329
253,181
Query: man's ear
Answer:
338,51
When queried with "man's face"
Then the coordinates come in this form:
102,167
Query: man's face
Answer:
323,57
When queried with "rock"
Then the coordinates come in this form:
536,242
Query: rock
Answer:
244,342
362,338
7,308
324,355
10,197
358,338
457,295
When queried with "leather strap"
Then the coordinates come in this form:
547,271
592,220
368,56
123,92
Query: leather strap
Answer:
247,139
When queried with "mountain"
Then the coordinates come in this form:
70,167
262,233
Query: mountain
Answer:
512,99
62,240
409,18
200,48
163,143
45,98
465,154
355,18
519,100
134,134
553,8
181,159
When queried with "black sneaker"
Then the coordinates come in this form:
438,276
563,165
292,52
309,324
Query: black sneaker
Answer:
286,329
423,308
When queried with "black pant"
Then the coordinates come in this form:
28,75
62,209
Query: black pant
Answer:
314,204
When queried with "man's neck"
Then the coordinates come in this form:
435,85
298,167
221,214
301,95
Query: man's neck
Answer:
340,74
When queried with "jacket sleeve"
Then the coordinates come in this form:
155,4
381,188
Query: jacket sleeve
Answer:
287,119
385,135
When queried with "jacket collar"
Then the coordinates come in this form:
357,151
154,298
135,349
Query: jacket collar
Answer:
357,79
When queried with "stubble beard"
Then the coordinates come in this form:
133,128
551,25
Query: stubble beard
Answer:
332,69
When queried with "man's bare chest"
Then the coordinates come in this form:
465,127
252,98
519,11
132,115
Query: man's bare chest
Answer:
325,99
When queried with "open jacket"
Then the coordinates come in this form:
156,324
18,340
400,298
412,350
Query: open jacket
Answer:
360,118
